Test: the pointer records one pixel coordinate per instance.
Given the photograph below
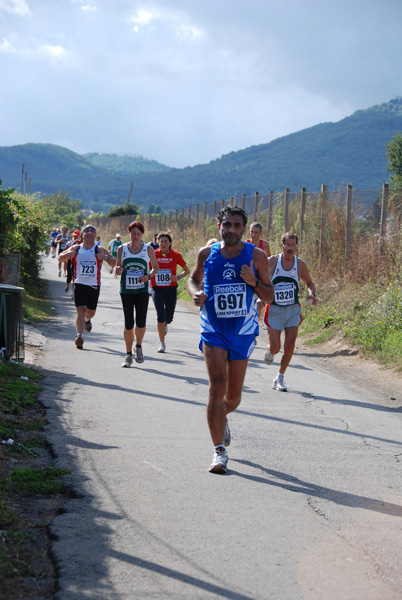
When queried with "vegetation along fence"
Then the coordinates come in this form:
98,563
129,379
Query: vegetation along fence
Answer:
326,221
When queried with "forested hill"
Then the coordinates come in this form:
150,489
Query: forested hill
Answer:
349,151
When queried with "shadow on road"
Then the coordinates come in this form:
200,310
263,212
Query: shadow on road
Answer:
293,484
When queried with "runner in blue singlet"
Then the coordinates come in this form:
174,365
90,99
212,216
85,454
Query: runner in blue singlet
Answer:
236,274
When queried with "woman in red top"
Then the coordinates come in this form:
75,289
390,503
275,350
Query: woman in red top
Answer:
164,284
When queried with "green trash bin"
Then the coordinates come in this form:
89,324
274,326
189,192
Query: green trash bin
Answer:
11,322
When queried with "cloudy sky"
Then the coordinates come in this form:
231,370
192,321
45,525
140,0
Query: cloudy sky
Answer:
185,81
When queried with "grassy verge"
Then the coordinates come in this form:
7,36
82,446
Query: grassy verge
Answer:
36,306
29,481
35,309
367,315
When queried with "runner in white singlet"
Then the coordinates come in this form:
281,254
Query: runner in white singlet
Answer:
86,259
284,312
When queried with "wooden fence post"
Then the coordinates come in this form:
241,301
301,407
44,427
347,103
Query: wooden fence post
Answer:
348,240
205,211
197,212
255,206
189,216
286,209
270,211
243,202
182,219
384,213
231,202
323,207
215,207
177,216
303,214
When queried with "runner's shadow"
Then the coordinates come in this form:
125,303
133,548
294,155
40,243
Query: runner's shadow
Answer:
345,352
259,364
293,484
346,402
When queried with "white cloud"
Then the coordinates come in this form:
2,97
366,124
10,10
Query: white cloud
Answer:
5,46
189,31
16,7
28,48
142,19
175,21
52,51
88,7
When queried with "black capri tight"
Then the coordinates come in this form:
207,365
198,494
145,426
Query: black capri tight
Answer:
139,302
165,299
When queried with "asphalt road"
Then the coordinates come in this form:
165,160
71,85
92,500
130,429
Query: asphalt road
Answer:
311,507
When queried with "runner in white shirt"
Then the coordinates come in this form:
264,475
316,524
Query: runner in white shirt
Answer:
86,261
284,312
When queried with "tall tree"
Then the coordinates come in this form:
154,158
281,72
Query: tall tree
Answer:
394,156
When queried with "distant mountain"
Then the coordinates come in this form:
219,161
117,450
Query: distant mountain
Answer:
54,168
349,151
126,163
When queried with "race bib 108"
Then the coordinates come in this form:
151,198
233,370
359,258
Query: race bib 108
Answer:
162,277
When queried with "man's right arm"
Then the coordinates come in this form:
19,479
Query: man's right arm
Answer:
67,254
195,282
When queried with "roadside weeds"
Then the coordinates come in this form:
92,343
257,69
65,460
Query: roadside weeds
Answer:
31,488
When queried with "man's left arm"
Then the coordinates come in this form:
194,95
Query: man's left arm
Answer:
306,277
261,283
103,254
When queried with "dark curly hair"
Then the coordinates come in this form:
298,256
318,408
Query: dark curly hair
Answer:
231,210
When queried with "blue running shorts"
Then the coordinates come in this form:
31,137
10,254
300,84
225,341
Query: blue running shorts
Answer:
238,347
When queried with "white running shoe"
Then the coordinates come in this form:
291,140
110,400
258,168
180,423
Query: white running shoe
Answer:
279,384
139,357
219,461
268,357
162,347
228,436
59,273
128,361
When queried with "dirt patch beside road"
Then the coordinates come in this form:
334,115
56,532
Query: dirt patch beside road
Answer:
343,361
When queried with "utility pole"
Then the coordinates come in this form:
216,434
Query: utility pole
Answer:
129,195
22,176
